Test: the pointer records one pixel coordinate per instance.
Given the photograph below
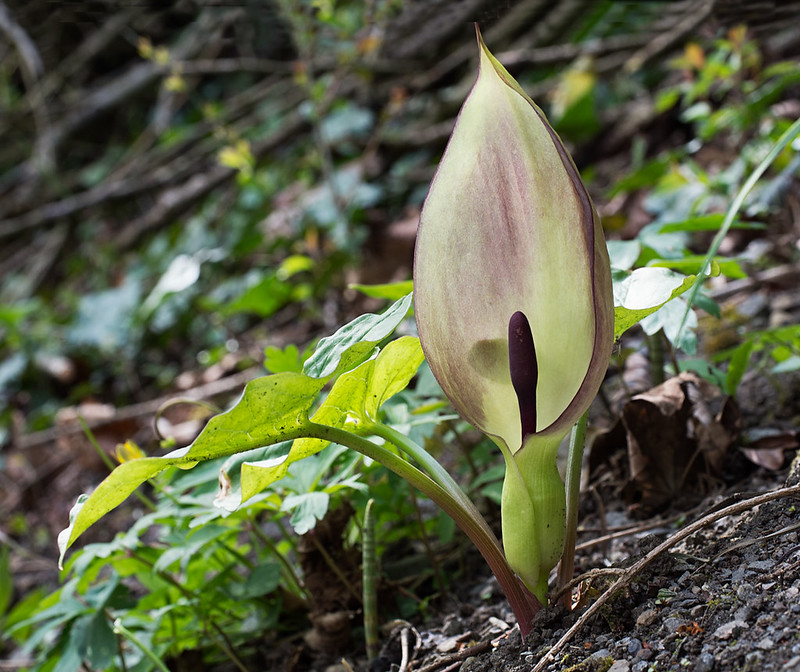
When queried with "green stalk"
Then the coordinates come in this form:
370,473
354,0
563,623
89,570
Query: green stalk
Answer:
436,471
523,603
369,569
120,629
533,511
577,442
288,570
789,134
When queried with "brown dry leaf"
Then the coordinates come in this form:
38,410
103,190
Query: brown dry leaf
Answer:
692,628
766,447
678,435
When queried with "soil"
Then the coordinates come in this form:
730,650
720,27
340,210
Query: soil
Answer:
726,598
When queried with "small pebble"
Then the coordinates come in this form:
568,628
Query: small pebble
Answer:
620,666
646,618
729,629
752,661
792,665
453,626
469,664
766,644
705,663
744,591
672,624
634,646
765,619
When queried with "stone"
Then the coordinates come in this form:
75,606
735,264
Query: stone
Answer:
672,624
646,618
620,666
792,665
729,629
753,662
705,663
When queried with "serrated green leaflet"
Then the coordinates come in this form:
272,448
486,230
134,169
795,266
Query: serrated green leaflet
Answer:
355,342
271,409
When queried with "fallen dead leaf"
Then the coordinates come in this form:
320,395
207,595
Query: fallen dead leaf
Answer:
678,435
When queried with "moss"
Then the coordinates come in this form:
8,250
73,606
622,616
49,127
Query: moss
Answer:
592,665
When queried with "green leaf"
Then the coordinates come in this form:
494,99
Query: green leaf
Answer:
69,659
307,509
730,268
99,642
6,582
354,342
712,222
288,359
392,291
262,580
190,546
262,299
354,400
229,496
272,408
669,319
29,604
345,400
623,253
738,365
394,368
790,364
643,292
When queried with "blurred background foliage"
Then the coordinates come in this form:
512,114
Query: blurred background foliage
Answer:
187,190
180,184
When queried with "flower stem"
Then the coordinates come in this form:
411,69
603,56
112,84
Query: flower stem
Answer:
573,488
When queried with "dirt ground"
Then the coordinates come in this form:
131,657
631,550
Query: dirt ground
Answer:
727,598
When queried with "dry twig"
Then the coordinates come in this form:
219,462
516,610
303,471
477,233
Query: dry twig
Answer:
629,574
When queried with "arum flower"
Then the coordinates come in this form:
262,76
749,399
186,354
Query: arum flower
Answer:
513,301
